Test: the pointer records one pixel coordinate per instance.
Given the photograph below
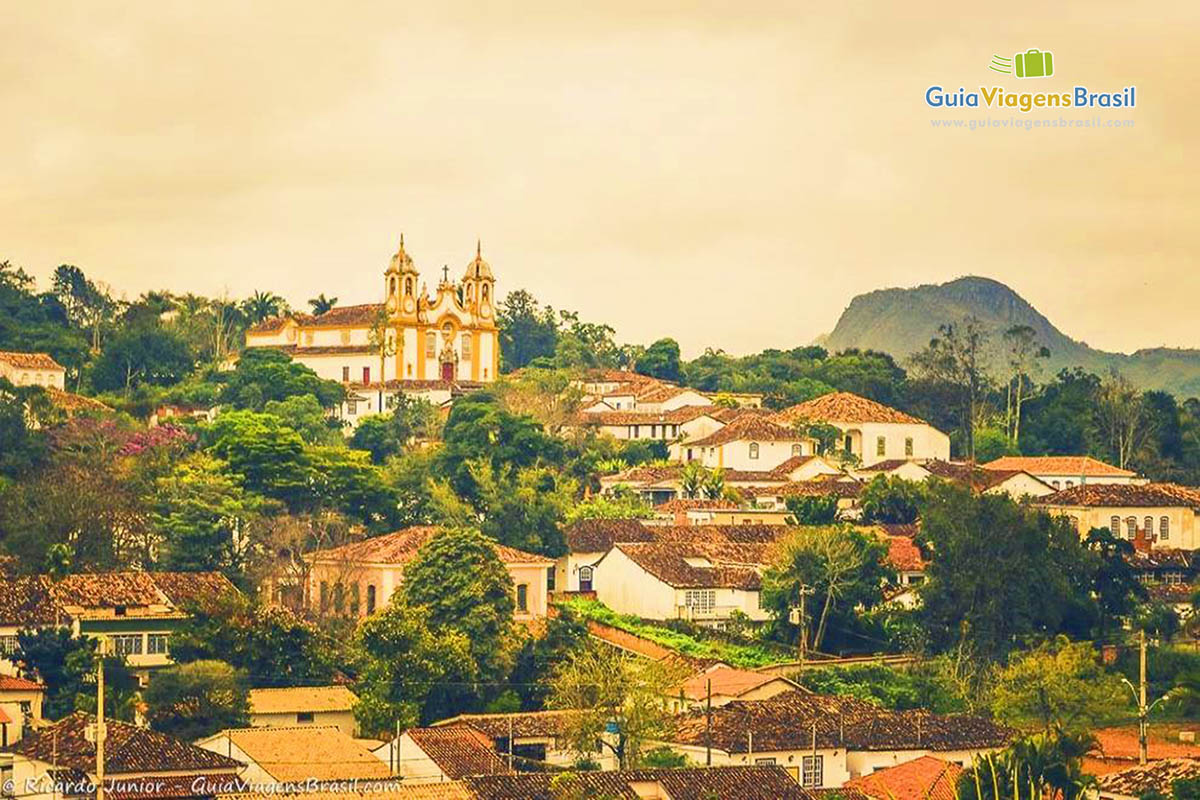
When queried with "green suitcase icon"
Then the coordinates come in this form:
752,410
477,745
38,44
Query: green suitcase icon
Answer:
1035,64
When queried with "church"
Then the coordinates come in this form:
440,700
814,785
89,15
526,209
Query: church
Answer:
432,346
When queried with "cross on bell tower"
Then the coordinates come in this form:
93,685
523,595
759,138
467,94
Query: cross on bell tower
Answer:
445,274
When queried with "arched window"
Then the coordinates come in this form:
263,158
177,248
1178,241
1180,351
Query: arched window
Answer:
1148,524
797,450
430,345
408,287
1131,527
1164,528
1114,525
754,449
466,346
585,579
484,293
392,287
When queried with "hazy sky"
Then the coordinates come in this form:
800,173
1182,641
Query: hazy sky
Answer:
729,174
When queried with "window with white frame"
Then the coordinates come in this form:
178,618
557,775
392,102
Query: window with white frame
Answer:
700,601
8,645
908,447
796,450
880,446
466,347
431,345
127,644
754,449
1114,525
156,644
1164,528
1131,527
812,769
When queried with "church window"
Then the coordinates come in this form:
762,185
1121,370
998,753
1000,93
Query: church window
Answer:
447,331
345,374
485,292
466,346
392,287
431,345
408,287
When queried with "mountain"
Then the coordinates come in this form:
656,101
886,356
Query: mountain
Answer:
902,321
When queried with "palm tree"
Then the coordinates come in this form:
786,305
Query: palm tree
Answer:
320,304
1043,765
692,479
263,305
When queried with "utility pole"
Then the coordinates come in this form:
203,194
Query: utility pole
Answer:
1143,712
804,591
708,722
100,730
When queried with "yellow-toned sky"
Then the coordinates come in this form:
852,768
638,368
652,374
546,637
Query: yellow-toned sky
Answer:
729,174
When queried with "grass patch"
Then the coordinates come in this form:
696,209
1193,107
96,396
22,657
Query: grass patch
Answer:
748,656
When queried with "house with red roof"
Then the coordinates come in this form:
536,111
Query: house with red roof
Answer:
1063,472
358,578
1155,515
871,431
20,707
32,369
721,684
924,778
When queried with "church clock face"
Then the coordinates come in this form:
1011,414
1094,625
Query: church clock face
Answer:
485,309
408,304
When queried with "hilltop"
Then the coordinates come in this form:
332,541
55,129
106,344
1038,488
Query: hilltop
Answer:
902,321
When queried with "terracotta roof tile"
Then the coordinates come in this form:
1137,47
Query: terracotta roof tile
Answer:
693,504
826,486
1059,465
786,722
128,749
1121,744
299,753
301,699
728,783
400,547
676,416
924,778
11,683
749,427
522,724
903,555
1156,776
726,681
459,750
844,407
1118,495
699,565
30,360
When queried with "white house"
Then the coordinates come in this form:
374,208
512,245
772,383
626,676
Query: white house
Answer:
1063,472
294,755
749,442
32,369
824,741
1016,483
1165,513
441,754
531,737
701,581
60,760
871,431
20,707
322,706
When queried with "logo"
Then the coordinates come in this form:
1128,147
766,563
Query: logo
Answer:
1032,63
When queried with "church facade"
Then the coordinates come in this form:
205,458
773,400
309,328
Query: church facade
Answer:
412,342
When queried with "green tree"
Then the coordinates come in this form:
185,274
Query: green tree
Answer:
459,578
1023,352
839,566
524,508
1116,585
202,513
263,305
66,665
660,360
599,687
143,354
346,480
268,643
1046,764
891,500
263,374
1058,685
957,358
269,456
191,701
322,304
527,330
305,415
564,634
812,510
1002,573
402,661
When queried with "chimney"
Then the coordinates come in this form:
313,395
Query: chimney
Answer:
1142,540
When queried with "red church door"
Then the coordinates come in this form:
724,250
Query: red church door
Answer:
447,370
